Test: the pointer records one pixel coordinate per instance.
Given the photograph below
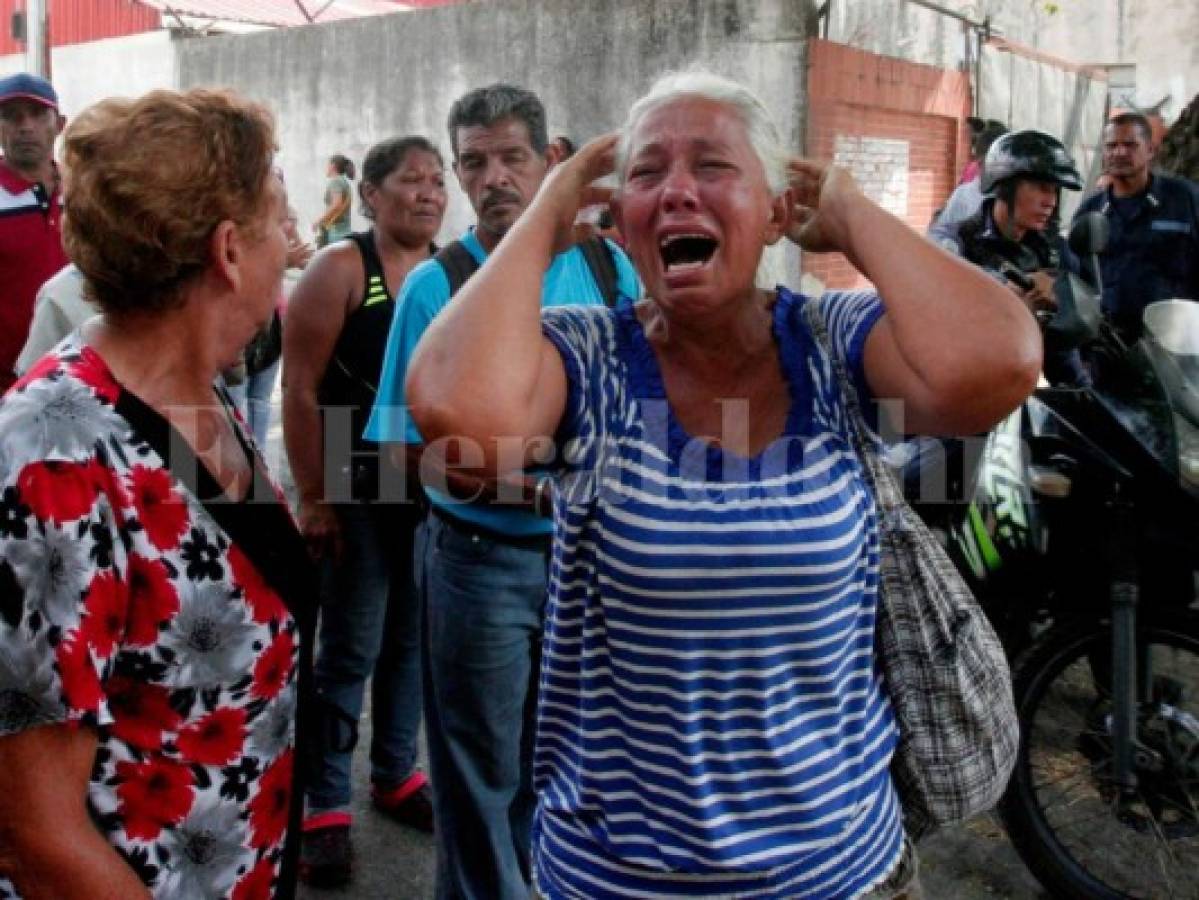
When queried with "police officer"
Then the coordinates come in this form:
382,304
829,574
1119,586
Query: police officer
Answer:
1014,232
1153,248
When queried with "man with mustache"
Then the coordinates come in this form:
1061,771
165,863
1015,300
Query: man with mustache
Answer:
30,207
482,552
1152,251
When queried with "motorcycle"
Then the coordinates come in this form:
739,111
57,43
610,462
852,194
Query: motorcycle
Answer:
1078,530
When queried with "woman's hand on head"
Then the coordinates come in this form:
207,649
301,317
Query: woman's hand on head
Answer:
821,195
570,188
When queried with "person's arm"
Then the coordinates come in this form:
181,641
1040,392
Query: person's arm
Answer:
956,347
58,309
446,471
483,371
316,314
49,847
961,205
425,292
48,327
338,204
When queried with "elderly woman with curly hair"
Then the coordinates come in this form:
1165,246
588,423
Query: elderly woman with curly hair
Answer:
153,587
711,722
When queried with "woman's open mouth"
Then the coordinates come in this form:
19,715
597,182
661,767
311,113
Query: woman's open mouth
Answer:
686,252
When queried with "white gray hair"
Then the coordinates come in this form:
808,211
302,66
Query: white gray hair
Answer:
760,127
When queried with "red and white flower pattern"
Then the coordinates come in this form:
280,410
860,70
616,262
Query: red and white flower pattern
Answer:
125,607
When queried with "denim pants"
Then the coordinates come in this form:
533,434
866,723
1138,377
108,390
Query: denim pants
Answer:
370,628
253,399
483,605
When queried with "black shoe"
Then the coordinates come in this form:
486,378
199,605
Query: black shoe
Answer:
326,856
410,803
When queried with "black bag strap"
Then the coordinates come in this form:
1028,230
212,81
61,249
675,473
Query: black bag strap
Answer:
600,261
458,263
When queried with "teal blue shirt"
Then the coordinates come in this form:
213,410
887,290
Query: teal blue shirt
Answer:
425,293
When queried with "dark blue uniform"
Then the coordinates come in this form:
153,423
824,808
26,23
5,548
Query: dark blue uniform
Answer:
1153,251
979,240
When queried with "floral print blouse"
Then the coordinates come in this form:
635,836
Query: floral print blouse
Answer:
130,605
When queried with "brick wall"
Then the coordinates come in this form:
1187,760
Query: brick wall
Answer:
897,126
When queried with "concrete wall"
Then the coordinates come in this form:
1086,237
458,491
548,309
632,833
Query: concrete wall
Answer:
119,67
1159,37
1022,92
338,88
1025,93
900,29
128,67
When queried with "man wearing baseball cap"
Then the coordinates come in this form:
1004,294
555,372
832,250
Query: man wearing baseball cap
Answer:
30,206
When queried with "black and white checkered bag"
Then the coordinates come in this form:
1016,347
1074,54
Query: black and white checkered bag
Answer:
944,668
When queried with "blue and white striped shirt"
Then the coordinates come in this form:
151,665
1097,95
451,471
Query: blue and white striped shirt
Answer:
711,722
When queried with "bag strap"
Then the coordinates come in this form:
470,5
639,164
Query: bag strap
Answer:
458,263
600,261
887,494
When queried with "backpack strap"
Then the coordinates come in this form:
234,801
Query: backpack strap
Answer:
602,264
458,263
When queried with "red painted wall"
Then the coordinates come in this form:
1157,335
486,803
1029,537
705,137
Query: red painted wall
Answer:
853,93
80,21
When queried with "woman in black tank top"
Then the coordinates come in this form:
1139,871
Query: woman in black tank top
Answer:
334,339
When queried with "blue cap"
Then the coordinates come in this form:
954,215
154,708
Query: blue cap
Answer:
26,86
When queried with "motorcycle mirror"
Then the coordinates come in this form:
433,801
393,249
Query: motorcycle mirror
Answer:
1088,234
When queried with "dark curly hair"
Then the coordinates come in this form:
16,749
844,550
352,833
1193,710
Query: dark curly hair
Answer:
147,182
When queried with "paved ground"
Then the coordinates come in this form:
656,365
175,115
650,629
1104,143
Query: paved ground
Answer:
972,862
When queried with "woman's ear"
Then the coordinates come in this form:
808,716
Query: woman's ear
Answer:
227,251
779,221
366,193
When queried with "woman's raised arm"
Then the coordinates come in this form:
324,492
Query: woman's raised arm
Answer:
483,372
956,347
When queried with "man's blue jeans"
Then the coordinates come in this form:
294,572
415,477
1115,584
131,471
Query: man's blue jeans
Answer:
253,399
370,626
483,604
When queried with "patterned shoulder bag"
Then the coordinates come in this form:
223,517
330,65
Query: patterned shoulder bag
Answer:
942,663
